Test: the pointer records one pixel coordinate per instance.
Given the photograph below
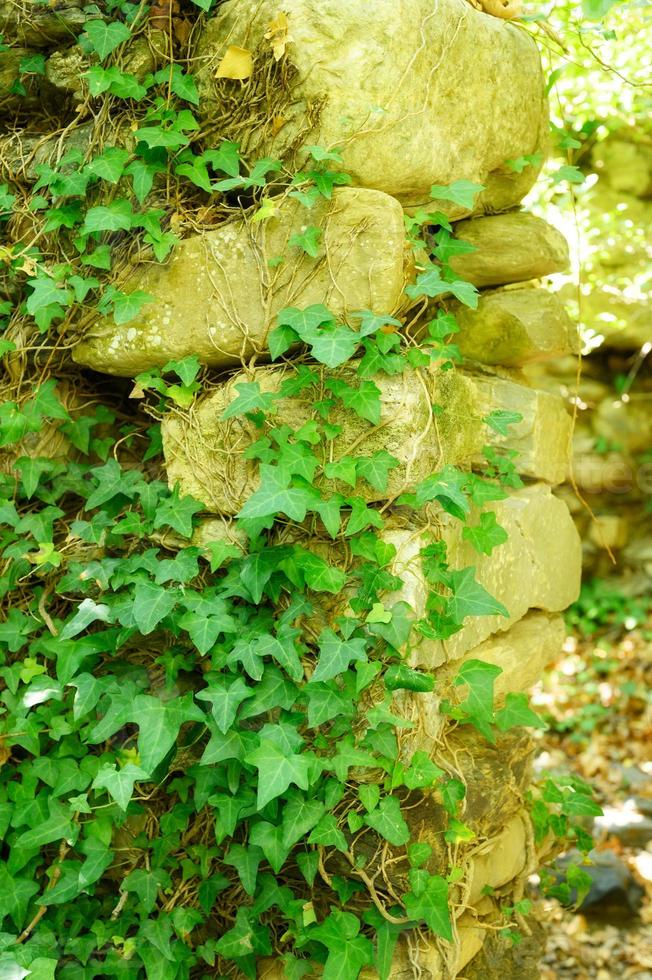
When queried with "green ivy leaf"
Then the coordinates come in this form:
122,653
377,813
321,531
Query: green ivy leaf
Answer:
225,699
517,712
469,598
119,783
275,496
500,421
278,766
335,655
462,192
249,399
387,820
430,905
103,38
300,815
486,535
151,604
480,678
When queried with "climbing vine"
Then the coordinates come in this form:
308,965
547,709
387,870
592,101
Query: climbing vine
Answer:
204,745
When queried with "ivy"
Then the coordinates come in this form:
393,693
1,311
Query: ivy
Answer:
198,737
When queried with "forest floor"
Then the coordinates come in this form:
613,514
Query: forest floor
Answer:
598,700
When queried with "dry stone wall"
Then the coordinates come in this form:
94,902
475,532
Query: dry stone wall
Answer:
413,95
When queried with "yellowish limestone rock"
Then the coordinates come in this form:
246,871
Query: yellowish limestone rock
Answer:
460,94
513,327
206,455
538,567
219,294
522,653
511,247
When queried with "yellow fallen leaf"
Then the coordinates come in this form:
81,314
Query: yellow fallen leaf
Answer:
278,35
278,122
236,63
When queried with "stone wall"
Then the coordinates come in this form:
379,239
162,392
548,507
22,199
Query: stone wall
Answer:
415,95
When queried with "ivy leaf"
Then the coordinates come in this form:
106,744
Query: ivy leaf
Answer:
245,860
308,241
422,772
326,702
57,826
87,612
177,512
146,884
110,164
104,38
119,783
126,306
249,399
117,216
16,895
319,575
347,951
501,420
334,345
469,598
517,712
387,820
225,699
283,650
275,496
567,172
486,535
376,469
328,834
479,678
159,723
465,292
448,488
462,192
372,322
431,906
151,604
300,815
364,399
269,838
400,677
335,655
277,769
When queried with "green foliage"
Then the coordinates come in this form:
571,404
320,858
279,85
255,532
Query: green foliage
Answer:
189,733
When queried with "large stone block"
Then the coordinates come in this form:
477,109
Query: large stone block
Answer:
512,247
206,454
219,294
513,327
39,25
413,93
522,652
535,568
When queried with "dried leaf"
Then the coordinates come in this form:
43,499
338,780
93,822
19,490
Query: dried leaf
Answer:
278,122
236,63
505,9
278,35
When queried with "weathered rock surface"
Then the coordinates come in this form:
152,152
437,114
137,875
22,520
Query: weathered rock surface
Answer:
218,296
514,327
511,247
534,569
461,94
522,652
38,25
206,455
